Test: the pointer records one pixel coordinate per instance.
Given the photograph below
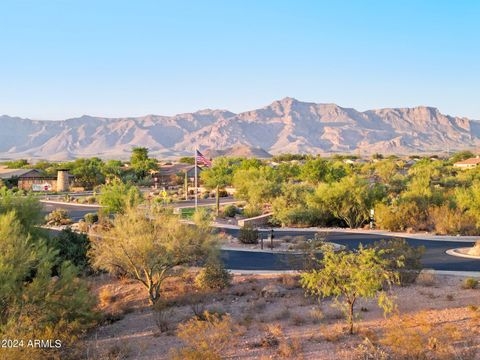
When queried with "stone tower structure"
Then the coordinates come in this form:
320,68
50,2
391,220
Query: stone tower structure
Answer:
63,180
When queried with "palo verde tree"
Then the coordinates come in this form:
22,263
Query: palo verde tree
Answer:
348,276
116,196
256,185
350,199
147,247
217,177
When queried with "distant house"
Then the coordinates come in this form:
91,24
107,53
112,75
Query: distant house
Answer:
12,174
34,180
468,163
173,174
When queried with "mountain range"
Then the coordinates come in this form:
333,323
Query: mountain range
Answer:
284,126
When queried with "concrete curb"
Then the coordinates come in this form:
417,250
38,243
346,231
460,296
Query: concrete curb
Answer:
232,248
204,205
263,272
69,204
454,252
293,272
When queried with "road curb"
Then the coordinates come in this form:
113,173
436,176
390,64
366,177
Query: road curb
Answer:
69,204
453,252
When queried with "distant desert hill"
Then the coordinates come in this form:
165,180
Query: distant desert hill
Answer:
284,126
243,151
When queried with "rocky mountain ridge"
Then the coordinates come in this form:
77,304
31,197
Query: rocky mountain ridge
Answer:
284,126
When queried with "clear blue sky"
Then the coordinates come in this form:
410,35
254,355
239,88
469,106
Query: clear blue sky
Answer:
61,59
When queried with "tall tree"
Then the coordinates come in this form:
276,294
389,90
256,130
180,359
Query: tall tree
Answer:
217,177
141,163
88,172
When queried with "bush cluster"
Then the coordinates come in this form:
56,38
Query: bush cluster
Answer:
248,235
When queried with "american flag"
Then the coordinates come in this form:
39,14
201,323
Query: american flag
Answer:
202,159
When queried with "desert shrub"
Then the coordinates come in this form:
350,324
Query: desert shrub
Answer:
106,297
367,350
73,247
415,337
470,283
250,212
290,348
248,235
272,336
230,210
91,200
213,276
426,277
448,221
58,217
397,217
316,314
91,218
162,315
398,250
206,340
222,193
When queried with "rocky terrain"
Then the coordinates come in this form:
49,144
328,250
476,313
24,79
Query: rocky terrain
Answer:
285,126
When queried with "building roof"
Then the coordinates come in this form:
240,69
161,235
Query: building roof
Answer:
168,170
471,161
6,173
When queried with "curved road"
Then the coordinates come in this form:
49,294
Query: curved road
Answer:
434,256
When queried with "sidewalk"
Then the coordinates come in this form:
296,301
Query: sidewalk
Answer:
419,236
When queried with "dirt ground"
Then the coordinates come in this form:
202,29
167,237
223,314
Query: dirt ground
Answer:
436,308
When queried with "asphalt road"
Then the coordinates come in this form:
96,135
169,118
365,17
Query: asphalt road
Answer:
77,212
434,256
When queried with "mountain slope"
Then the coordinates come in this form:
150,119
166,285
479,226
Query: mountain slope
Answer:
286,125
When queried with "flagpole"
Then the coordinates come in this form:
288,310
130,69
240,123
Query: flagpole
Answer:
196,181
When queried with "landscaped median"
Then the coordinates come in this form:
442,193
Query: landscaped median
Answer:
467,252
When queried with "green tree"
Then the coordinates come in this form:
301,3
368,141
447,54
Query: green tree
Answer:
113,169
318,170
350,199
190,160
73,247
148,248
291,207
34,303
468,200
117,196
217,177
16,164
141,163
256,185
459,156
88,172
348,276
288,171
